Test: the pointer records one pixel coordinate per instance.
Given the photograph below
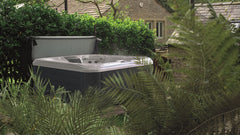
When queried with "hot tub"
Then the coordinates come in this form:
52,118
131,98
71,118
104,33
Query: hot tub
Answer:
78,72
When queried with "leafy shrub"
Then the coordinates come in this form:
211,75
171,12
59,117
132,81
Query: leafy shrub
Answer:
16,26
28,111
75,25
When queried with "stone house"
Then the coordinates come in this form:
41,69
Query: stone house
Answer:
154,14
152,11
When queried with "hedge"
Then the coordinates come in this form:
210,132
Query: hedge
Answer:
118,36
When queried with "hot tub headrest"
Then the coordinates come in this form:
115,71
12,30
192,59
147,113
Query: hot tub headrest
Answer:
53,46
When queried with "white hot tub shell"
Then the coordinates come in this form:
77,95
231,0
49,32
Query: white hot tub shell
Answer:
68,61
78,72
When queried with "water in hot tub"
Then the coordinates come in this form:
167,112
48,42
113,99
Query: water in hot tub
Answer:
98,59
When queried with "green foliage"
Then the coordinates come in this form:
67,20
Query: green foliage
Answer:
30,1
210,55
118,36
131,37
25,110
213,51
210,87
73,25
116,13
143,96
180,8
125,30
16,26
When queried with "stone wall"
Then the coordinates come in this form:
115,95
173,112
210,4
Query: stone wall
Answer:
150,11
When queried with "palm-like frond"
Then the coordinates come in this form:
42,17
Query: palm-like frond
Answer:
30,111
210,54
209,49
116,131
144,97
79,116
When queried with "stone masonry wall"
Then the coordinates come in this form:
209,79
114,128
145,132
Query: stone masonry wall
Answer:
148,10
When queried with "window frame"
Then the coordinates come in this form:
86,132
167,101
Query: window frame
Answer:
150,23
160,29
235,23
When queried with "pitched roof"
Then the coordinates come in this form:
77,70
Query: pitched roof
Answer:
79,7
165,5
89,8
230,10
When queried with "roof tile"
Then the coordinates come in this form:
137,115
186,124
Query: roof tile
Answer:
230,10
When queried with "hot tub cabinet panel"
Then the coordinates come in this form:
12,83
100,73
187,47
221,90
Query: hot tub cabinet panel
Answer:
72,80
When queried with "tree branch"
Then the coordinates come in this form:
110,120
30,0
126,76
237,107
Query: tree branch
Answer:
95,2
114,8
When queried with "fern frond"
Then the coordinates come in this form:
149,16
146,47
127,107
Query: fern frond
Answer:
143,95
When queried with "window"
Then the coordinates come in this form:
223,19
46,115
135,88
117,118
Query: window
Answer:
235,23
160,29
150,24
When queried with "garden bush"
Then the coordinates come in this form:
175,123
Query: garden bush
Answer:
28,111
16,25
